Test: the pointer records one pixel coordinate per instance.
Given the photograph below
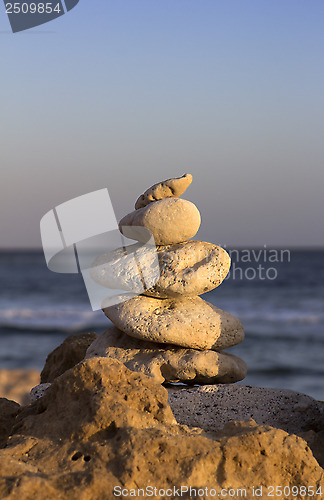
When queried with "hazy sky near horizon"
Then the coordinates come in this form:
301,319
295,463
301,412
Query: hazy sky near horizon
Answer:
125,93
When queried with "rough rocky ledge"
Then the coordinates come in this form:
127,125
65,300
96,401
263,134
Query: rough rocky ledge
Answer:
101,426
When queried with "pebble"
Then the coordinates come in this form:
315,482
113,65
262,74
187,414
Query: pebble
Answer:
170,188
38,391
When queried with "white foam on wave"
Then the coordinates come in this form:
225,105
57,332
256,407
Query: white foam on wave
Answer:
51,318
308,312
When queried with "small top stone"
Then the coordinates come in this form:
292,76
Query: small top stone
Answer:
170,188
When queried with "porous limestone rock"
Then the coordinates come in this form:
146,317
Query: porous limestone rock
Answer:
67,355
185,269
171,221
211,407
170,188
189,269
168,363
83,401
101,428
188,322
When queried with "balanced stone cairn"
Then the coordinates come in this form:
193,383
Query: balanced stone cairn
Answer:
168,331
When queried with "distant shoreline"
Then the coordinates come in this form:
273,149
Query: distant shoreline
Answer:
15,385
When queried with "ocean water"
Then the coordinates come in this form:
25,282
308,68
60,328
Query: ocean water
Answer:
278,296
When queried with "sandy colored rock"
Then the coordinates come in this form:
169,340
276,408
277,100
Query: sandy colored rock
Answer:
171,221
170,188
101,426
77,412
187,322
186,269
16,384
168,363
67,355
189,269
216,405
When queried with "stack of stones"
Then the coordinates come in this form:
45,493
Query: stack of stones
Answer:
168,331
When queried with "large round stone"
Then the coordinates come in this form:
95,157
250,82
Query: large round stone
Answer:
171,221
185,269
186,322
168,363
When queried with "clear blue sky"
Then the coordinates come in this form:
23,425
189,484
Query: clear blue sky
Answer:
124,93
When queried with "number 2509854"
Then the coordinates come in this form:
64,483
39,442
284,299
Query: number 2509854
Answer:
33,8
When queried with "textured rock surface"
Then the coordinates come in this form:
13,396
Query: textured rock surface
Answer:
171,221
167,363
187,322
214,406
8,413
66,355
190,269
16,384
315,441
186,269
84,398
169,188
101,426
